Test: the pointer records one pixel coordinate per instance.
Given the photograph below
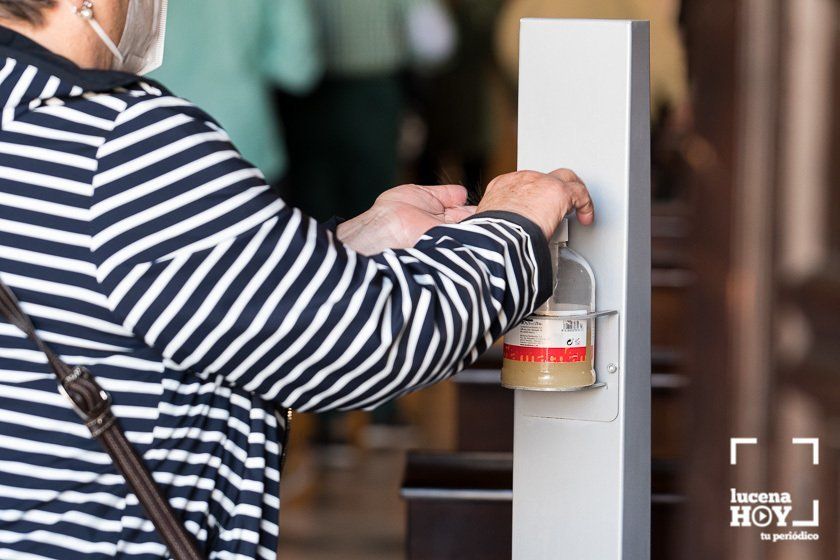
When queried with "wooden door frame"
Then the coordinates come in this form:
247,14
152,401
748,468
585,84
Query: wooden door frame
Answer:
712,28
739,65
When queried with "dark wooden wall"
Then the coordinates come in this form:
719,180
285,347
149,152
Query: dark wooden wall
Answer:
711,27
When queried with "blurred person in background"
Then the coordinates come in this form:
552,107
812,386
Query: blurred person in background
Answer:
343,137
455,100
227,56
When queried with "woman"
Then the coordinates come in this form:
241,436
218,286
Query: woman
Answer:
144,247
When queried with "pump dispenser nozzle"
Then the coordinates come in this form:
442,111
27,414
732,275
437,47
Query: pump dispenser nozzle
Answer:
561,234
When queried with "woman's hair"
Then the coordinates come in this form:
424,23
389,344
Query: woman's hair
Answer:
30,11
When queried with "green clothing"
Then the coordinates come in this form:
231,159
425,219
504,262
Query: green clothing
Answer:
224,56
364,37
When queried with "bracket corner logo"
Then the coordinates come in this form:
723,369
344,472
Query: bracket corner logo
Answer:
773,509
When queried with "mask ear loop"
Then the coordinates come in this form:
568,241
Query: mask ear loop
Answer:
86,13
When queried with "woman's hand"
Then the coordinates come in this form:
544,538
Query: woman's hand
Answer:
400,216
403,214
543,198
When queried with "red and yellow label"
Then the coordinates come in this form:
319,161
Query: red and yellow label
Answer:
540,339
551,355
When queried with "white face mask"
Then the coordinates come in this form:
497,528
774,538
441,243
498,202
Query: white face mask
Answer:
141,48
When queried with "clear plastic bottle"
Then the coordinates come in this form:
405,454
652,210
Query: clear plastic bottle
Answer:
553,349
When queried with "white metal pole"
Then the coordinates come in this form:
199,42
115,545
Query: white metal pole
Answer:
581,487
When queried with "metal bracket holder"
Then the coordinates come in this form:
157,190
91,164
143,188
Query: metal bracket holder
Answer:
612,367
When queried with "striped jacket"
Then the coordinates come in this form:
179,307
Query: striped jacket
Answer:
143,246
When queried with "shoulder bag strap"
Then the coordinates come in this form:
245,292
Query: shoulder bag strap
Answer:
93,405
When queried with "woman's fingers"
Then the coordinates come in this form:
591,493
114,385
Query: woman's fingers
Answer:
450,196
581,200
566,175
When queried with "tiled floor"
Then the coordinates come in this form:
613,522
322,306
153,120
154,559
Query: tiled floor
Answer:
352,512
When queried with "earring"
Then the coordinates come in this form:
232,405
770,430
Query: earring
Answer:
85,11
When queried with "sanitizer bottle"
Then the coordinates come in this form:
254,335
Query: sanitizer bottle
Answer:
553,349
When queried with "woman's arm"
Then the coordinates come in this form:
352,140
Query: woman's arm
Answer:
204,262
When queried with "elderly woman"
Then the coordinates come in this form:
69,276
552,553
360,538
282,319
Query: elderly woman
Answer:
144,247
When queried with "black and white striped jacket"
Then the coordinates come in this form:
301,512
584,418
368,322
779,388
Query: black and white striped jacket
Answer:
142,245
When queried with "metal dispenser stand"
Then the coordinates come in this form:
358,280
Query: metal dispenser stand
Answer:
581,488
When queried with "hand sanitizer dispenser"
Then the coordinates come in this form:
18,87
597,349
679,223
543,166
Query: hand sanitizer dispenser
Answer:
553,349
581,445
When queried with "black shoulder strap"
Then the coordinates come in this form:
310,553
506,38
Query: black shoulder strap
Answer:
93,405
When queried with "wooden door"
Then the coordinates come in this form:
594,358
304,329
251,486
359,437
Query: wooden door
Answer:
765,315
